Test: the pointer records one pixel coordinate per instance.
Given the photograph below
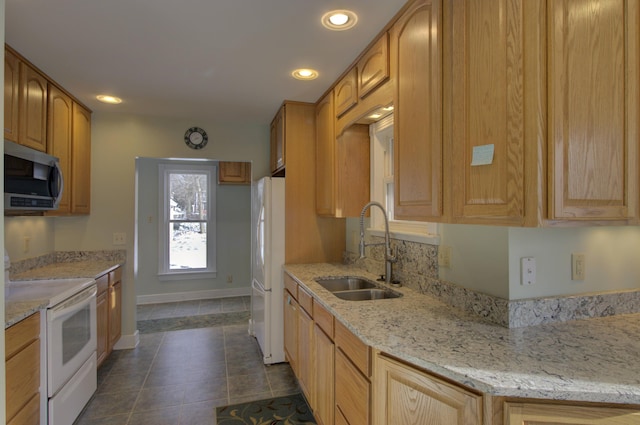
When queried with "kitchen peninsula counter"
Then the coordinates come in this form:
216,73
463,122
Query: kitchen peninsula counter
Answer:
594,360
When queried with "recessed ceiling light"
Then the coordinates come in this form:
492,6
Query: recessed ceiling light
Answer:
105,98
339,20
305,74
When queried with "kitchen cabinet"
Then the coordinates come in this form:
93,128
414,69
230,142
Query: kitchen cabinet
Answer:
309,238
11,95
342,165
278,142
497,80
22,369
32,109
373,66
551,414
416,62
346,92
235,172
324,370
353,373
81,161
406,395
306,359
291,322
108,312
593,107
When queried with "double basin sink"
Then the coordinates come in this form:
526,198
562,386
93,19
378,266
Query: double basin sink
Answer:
355,288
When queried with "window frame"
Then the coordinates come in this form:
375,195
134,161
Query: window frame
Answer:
164,220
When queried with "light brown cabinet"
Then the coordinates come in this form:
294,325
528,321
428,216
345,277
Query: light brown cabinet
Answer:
342,165
81,161
324,370
278,141
291,330
108,312
405,395
593,109
346,92
373,66
551,414
22,363
234,172
11,95
416,61
306,358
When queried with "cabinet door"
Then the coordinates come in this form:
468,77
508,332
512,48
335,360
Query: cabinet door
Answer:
496,107
291,330
404,395
102,320
277,141
593,109
353,171
346,92
11,95
353,392
115,313
81,161
306,358
234,172
324,378
32,106
59,135
416,46
373,67
325,156
541,414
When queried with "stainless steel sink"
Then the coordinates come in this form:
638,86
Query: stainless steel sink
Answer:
367,294
354,288
345,283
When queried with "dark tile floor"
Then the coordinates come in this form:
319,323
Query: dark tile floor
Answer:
180,377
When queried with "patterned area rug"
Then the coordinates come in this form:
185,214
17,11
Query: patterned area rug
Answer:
290,410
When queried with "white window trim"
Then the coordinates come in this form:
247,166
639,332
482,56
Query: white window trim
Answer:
381,174
164,273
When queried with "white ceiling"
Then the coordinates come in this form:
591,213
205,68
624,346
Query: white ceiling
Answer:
222,59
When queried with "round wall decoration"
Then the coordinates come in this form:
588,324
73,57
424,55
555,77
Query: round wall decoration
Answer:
196,138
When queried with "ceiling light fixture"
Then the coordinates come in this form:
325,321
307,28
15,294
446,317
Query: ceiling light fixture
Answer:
339,20
105,98
305,74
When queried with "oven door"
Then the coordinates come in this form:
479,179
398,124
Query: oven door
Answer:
71,337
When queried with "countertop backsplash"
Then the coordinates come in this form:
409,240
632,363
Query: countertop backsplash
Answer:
417,268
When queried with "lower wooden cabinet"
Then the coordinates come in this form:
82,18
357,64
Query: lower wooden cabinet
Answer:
353,392
305,354
324,370
291,330
404,395
108,312
22,363
546,414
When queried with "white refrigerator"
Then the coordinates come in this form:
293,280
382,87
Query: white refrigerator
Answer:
267,240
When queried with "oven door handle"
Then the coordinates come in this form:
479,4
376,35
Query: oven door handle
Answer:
73,304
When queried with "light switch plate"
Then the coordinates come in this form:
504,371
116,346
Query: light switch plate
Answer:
528,270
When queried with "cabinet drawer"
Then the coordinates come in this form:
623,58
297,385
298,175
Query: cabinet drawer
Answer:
115,276
22,377
546,414
291,286
357,351
305,300
323,319
102,283
21,334
353,392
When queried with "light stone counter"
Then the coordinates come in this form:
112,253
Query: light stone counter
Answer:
594,360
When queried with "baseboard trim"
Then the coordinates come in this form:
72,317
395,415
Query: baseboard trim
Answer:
127,342
193,295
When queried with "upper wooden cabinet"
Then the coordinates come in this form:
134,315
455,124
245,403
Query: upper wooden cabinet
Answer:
593,109
278,142
346,92
80,186
234,172
373,67
11,95
342,165
60,134
416,61
496,106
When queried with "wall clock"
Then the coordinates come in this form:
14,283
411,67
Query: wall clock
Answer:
196,138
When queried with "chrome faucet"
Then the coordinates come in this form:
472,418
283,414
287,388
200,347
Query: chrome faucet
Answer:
389,257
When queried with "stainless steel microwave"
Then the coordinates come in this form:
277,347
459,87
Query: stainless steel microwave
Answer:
33,180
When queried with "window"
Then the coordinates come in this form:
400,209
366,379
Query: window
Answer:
187,221
382,188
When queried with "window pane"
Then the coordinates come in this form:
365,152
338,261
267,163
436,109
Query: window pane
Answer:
188,246
188,196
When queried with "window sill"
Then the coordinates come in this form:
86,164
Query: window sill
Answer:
405,235
187,275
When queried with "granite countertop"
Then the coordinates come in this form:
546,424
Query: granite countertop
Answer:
15,311
592,360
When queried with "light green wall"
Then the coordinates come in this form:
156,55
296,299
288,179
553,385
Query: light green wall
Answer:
233,237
